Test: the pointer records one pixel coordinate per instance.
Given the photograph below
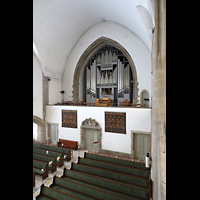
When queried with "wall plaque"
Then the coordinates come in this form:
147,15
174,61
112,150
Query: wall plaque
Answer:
69,118
115,122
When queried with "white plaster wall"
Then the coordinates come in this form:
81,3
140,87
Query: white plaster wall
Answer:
54,90
37,88
131,42
136,119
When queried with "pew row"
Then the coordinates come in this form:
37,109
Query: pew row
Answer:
68,144
48,159
84,190
33,178
40,168
138,181
58,156
50,193
127,190
114,167
116,161
66,152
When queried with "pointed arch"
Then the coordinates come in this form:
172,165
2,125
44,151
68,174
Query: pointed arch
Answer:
87,53
38,121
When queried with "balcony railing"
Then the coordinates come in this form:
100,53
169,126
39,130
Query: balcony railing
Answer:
83,103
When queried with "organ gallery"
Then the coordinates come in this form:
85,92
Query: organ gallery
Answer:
108,74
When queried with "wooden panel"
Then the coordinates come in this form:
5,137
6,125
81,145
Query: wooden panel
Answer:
92,140
69,118
115,122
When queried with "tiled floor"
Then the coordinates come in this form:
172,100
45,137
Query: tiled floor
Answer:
48,181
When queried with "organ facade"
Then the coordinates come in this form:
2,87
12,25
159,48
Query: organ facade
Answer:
108,74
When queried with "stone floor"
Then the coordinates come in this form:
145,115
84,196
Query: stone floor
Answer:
48,181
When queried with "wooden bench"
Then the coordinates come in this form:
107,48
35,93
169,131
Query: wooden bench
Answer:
48,159
50,193
125,103
84,190
68,144
58,156
116,161
33,178
66,152
138,181
104,102
40,168
114,167
114,186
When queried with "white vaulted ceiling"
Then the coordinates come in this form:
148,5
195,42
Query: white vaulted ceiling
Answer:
59,24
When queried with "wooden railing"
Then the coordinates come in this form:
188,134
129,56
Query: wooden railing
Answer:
82,103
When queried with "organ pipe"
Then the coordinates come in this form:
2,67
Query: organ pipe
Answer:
108,68
93,76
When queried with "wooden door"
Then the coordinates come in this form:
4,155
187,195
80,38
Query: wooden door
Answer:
145,98
91,140
142,145
53,133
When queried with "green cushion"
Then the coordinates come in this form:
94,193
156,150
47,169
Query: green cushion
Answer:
85,188
55,194
101,182
38,171
112,175
116,161
52,148
43,152
39,164
42,158
115,167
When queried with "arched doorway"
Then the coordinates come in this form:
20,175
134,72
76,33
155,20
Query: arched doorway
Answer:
89,53
90,135
144,98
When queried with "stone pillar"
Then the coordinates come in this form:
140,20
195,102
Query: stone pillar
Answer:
45,94
158,167
41,134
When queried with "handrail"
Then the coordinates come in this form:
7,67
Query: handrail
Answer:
163,133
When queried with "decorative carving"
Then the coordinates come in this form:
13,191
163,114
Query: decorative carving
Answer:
90,123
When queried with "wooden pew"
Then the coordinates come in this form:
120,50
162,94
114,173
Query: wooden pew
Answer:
33,178
50,193
38,166
68,144
111,185
83,190
66,152
48,159
138,181
58,156
116,161
114,167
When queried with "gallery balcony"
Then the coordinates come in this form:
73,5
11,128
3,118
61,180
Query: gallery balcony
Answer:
105,102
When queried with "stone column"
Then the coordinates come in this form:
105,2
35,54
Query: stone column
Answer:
41,137
158,167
